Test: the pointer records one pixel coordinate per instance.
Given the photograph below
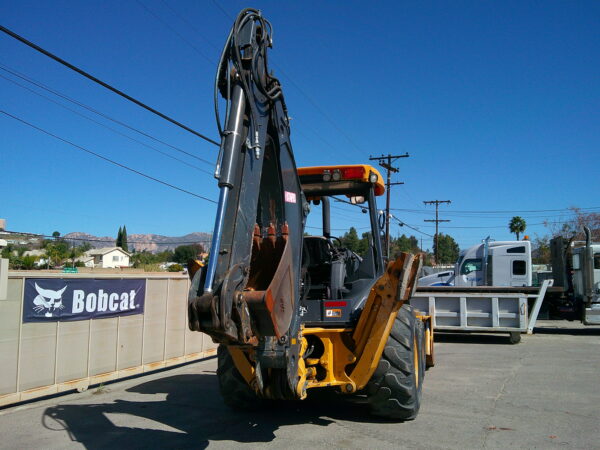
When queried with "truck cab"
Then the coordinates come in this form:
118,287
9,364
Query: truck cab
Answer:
336,280
491,263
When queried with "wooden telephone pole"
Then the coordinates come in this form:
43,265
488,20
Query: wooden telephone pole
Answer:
386,161
437,220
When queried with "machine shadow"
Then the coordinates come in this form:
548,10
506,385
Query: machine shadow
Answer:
472,338
192,414
591,331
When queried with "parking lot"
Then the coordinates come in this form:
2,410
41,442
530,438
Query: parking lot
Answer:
483,393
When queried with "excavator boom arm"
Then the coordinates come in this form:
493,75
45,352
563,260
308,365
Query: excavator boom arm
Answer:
247,295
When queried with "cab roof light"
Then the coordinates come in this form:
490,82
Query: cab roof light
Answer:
337,175
327,175
353,172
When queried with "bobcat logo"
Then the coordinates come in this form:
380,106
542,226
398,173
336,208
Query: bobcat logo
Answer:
48,300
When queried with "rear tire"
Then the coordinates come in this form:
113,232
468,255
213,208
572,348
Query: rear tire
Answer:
394,391
514,337
233,387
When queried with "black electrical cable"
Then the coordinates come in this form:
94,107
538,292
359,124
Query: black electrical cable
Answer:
404,224
308,97
174,30
99,113
106,126
108,159
104,84
231,56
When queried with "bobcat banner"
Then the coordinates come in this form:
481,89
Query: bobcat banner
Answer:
51,300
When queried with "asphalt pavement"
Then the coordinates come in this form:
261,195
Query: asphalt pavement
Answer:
482,393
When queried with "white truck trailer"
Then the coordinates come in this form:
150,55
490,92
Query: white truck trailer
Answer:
491,263
490,288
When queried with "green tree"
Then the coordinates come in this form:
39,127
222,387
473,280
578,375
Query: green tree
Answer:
363,245
517,225
350,240
541,250
407,244
119,240
448,249
175,268
56,235
124,238
57,252
75,253
164,256
85,247
184,253
573,227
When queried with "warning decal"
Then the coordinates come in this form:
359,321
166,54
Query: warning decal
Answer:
333,313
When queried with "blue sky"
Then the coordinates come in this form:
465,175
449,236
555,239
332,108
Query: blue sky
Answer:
496,102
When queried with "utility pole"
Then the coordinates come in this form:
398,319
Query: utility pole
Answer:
437,221
386,161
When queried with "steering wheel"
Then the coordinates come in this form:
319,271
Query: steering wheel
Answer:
339,242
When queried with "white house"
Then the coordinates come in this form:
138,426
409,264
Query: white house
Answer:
108,257
42,260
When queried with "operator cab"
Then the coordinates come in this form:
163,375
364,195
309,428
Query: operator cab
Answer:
336,280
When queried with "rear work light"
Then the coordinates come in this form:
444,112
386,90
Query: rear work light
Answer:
353,172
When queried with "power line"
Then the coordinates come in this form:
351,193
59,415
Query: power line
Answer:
108,159
337,229
195,29
305,95
501,218
67,238
99,113
501,211
106,126
165,23
189,24
404,224
105,85
498,226
386,163
437,220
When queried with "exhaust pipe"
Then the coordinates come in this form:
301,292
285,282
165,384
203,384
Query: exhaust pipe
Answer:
588,279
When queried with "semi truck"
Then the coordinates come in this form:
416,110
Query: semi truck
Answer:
491,263
576,275
490,288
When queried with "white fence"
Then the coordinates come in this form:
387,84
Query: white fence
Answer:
38,359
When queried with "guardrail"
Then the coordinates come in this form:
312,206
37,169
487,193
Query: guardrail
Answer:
43,358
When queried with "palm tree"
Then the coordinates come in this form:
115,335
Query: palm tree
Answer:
517,225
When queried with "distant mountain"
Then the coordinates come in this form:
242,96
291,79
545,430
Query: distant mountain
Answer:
151,242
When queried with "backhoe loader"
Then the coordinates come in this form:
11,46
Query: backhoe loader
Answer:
293,312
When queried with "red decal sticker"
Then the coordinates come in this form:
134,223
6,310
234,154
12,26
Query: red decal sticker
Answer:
332,304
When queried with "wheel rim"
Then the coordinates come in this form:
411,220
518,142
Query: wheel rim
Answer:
416,361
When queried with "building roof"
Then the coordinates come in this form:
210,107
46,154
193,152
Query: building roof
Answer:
105,250
35,253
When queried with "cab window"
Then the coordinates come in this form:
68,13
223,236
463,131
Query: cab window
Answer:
597,261
519,267
470,265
